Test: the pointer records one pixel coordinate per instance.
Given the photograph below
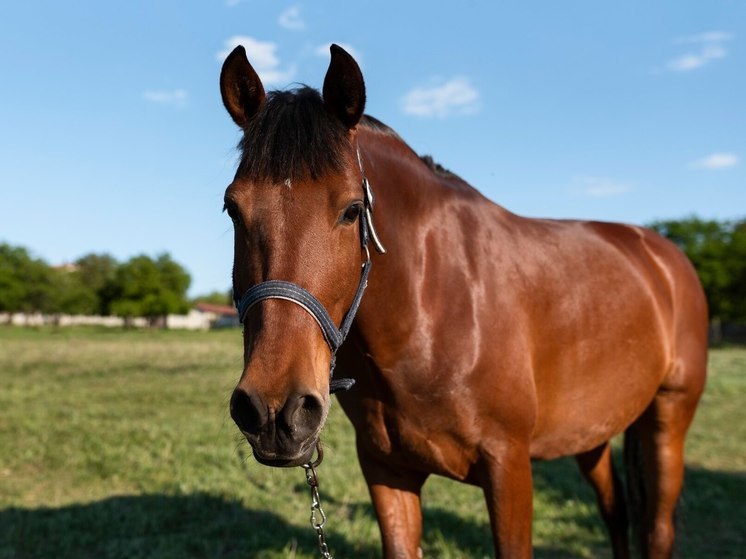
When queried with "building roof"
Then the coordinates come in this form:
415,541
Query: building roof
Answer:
216,309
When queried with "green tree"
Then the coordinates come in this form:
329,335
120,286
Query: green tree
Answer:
216,298
70,294
98,272
26,283
12,286
150,288
736,269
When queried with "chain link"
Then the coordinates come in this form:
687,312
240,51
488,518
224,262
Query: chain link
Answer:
318,518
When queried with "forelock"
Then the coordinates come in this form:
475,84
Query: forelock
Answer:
294,137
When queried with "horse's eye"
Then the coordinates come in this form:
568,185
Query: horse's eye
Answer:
351,213
232,211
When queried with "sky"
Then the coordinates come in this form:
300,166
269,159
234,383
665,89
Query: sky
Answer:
113,137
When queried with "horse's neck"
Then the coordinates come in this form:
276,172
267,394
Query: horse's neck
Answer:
410,195
413,205
403,189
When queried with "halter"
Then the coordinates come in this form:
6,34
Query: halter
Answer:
278,289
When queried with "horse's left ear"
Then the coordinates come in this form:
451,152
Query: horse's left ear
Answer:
344,89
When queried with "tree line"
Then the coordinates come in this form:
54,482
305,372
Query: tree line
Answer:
155,287
95,284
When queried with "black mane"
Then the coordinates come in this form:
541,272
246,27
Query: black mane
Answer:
437,168
294,137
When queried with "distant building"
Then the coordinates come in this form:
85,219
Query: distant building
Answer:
66,267
202,316
218,316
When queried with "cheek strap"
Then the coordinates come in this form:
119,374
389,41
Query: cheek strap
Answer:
278,289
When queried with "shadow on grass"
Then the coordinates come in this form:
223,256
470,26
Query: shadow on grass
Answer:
558,481
205,526
158,526
709,516
444,530
711,513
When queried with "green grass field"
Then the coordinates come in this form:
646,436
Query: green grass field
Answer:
119,445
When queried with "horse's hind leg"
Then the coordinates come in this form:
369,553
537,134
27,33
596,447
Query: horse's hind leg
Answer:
661,430
597,467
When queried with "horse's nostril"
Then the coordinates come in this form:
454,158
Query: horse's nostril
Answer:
311,409
247,411
302,415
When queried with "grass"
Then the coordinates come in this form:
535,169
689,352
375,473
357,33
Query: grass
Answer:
118,444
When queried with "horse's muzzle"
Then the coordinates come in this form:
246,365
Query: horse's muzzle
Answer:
281,437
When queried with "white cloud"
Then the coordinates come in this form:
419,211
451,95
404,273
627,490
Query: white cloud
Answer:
455,97
176,98
600,187
263,58
690,61
710,47
716,161
707,37
290,19
323,51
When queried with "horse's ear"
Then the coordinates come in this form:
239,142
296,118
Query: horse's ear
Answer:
344,89
240,87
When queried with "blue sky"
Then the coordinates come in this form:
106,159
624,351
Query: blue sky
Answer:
113,137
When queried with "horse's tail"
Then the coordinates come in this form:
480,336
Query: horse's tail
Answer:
635,484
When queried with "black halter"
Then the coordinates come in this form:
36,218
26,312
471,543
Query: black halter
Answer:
278,289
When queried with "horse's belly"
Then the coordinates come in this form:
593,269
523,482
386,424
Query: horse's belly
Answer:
598,406
606,346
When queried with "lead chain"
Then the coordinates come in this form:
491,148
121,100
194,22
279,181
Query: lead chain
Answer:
318,518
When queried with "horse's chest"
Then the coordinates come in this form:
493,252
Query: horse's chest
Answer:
419,433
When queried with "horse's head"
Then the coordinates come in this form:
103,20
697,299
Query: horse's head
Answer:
296,203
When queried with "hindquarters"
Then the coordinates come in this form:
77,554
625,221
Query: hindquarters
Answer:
633,358
654,443
613,312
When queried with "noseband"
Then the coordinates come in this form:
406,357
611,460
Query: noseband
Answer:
278,289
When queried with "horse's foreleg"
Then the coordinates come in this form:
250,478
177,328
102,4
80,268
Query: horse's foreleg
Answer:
508,489
598,468
396,499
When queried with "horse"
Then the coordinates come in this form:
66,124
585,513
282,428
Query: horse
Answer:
477,340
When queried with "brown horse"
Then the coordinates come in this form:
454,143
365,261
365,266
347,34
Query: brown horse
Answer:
484,340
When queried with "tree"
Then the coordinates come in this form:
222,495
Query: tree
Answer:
97,272
736,269
216,298
12,287
70,294
150,288
26,283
